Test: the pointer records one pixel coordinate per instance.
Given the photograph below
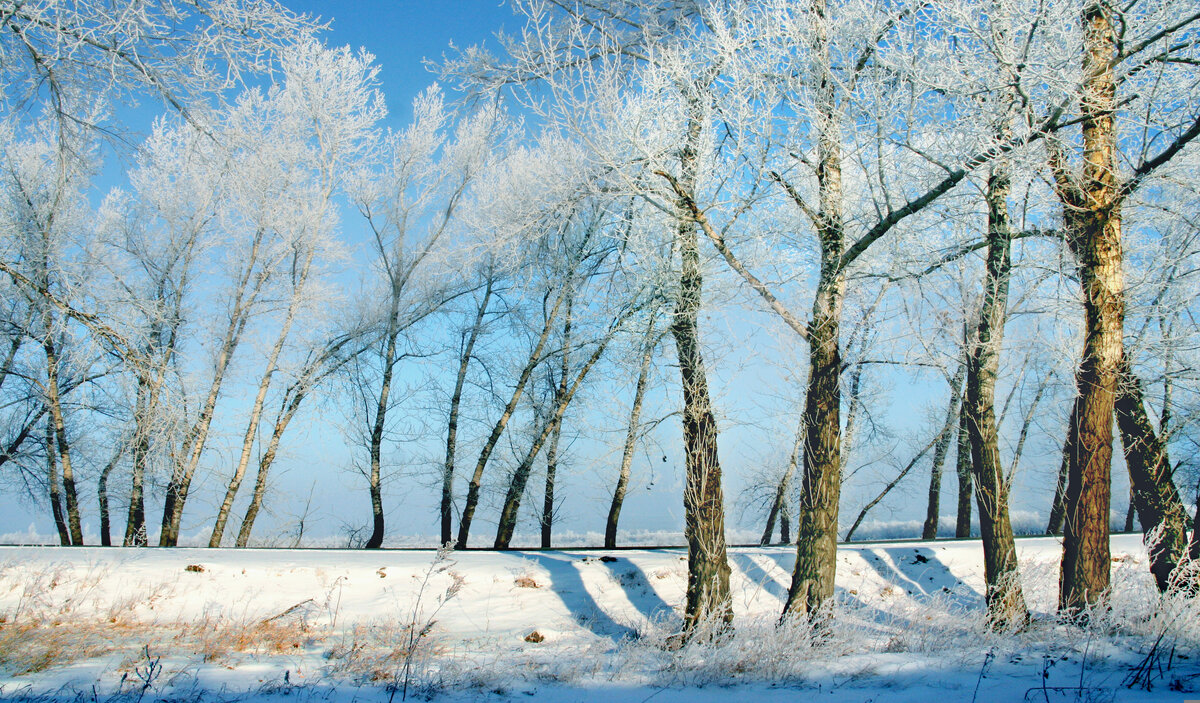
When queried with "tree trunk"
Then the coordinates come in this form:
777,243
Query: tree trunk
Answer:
552,450
291,403
1058,508
535,357
516,488
930,529
56,509
62,446
1159,508
708,603
1092,217
376,446
1005,600
812,585
102,493
779,503
136,534
962,461
248,440
649,342
193,448
464,363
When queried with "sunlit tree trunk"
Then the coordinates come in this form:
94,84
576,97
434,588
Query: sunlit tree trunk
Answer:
1092,218
552,449
54,490
962,467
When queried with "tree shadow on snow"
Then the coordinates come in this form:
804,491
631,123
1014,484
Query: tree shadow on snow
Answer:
638,589
922,575
569,587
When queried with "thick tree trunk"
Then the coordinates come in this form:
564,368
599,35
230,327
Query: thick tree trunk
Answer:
1093,221
136,534
812,585
933,507
535,358
1005,600
962,462
447,505
779,502
649,342
1159,508
708,602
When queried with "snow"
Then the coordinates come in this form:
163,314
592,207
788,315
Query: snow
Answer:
259,624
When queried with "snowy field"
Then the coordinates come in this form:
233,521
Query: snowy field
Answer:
88,624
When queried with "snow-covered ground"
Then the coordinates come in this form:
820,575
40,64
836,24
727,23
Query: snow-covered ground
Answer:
189,624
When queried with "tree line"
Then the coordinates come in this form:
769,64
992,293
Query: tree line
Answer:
927,180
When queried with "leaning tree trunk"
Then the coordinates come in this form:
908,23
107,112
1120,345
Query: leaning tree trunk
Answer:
375,448
631,435
1005,600
464,363
516,487
932,509
136,534
1092,215
102,493
1159,508
256,411
535,358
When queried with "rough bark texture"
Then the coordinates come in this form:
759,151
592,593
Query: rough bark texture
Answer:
933,507
1005,600
816,532
1159,508
631,435
708,602
62,446
464,363
1092,217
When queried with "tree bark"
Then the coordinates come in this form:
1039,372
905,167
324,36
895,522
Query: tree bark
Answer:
649,343
1092,215
812,585
555,435
708,602
1005,599
962,461
932,509
535,358
1159,507
248,440
62,446
516,488
447,505
56,508
375,448
183,472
